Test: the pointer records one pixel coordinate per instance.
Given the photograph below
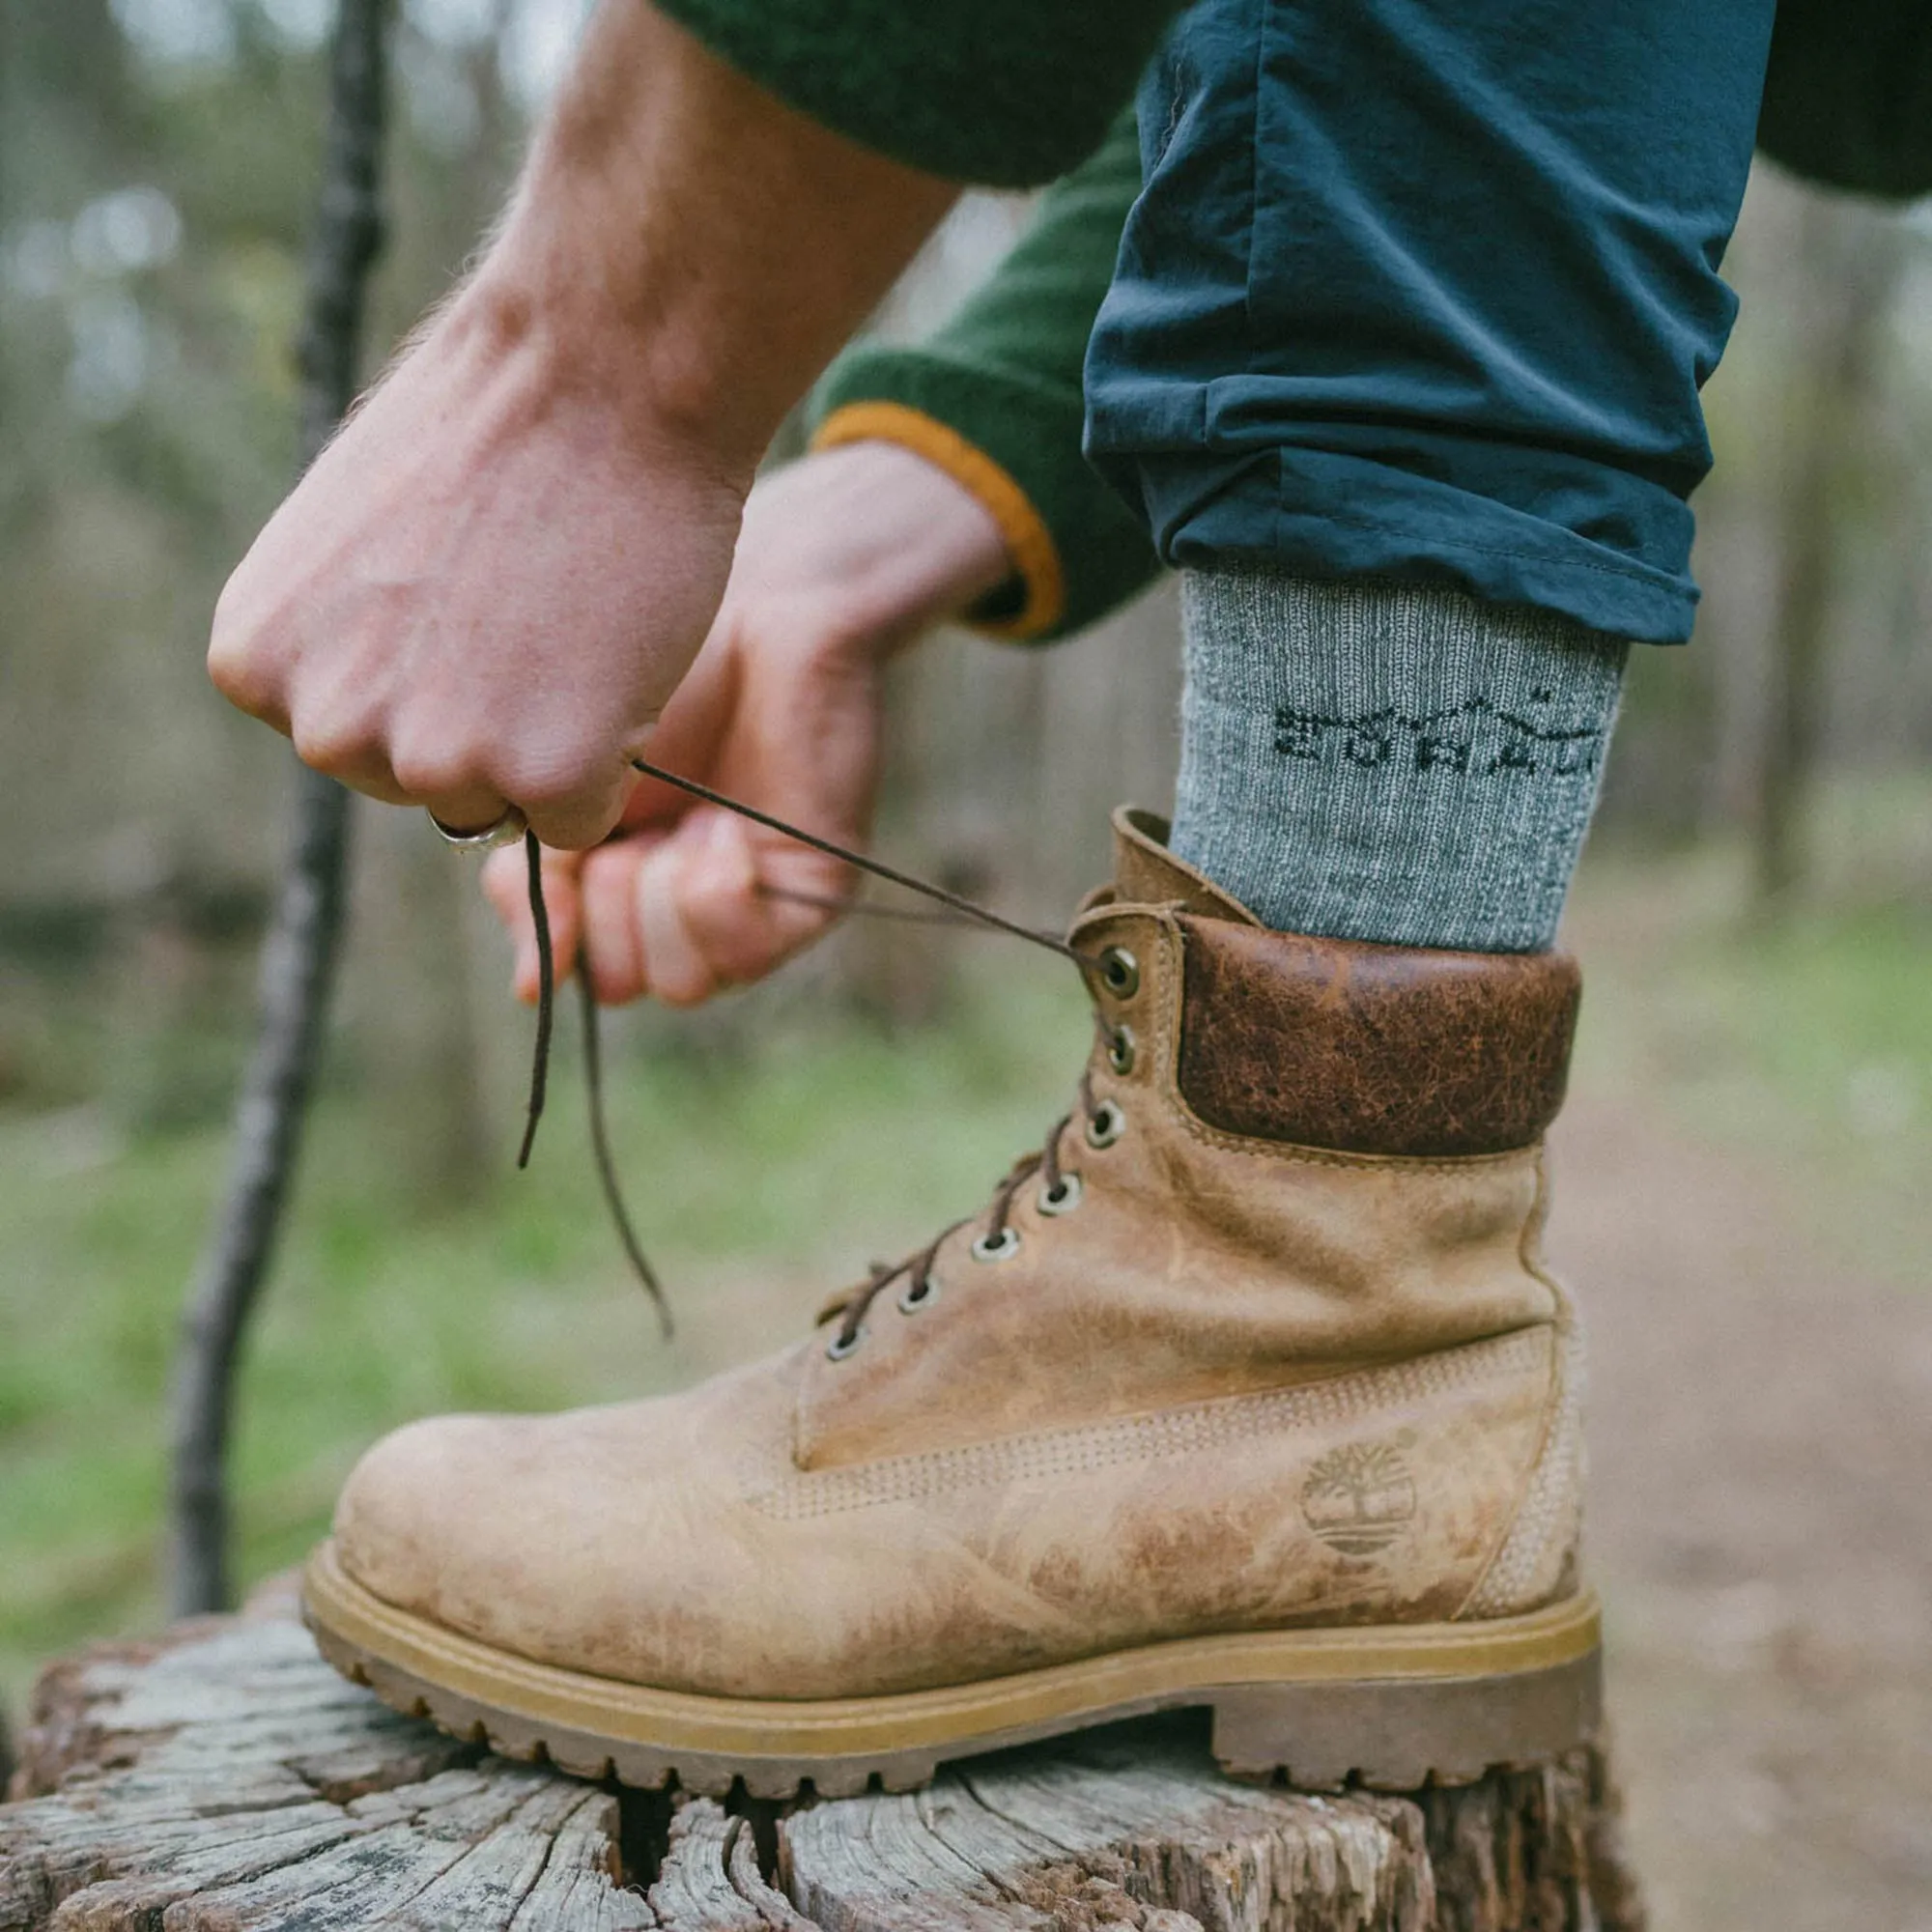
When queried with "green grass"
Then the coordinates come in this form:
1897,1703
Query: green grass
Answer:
759,1185
763,1179
1804,1044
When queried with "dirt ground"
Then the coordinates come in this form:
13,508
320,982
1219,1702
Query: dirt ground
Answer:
1761,1430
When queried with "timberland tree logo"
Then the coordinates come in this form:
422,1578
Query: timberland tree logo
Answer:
1360,1497
1477,737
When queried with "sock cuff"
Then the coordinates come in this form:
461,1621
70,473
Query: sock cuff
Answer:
1393,762
1253,632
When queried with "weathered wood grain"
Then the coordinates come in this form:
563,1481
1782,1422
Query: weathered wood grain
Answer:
224,1780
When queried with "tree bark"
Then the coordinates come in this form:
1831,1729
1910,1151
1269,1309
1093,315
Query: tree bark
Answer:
225,1778
298,958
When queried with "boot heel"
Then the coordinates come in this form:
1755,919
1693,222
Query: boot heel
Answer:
1399,1734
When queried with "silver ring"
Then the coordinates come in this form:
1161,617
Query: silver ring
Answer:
507,831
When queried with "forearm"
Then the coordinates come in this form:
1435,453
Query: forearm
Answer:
687,248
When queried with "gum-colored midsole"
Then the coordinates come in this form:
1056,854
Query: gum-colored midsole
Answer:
1167,1673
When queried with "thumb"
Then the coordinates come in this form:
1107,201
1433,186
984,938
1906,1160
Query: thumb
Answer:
686,738
679,891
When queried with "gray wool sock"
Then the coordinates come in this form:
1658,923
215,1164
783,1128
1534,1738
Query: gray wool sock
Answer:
1387,761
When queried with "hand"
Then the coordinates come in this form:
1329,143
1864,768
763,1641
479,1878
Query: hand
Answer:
844,558
486,589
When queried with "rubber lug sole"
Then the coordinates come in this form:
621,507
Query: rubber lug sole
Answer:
1393,1707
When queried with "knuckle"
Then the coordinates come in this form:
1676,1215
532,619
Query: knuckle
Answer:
572,821
235,646
728,924
560,789
427,777
241,676
332,747
685,992
439,770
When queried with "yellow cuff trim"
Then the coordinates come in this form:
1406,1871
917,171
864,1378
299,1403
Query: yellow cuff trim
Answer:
1029,541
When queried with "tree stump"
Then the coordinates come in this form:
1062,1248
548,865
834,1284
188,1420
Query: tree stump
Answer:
222,1778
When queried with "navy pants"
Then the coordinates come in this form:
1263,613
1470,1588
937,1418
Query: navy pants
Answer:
1427,290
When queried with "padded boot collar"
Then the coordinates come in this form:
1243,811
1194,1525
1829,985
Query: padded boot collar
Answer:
1337,1044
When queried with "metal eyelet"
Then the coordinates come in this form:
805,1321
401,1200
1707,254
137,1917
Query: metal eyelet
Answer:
843,1346
1121,971
918,1294
1063,1197
1106,1125
997,1247
1121,1050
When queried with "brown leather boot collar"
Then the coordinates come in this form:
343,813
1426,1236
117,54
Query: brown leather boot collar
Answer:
1349,1047
1372,1049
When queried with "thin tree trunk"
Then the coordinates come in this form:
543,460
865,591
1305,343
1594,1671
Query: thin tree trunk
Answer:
1852,278
1789,754
298,958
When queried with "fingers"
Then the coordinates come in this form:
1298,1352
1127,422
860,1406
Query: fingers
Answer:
724,898
570,799
468,812
688,735
639,937
616,956
678,916
565,776
469,791
697,911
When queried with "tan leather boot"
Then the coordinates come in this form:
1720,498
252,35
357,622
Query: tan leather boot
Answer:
1251,1392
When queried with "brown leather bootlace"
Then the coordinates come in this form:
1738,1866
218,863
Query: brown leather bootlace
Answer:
1062,1187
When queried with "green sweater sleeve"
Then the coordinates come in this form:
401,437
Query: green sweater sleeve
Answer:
1006,93
994,397
1848,94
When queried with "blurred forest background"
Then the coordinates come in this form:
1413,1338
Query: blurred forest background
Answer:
1757,905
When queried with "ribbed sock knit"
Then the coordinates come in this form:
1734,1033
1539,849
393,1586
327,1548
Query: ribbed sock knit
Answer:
1389,762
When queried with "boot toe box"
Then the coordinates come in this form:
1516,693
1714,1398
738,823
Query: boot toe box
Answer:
440,1519
597,1541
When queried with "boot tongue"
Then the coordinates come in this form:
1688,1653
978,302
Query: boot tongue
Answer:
1146,873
